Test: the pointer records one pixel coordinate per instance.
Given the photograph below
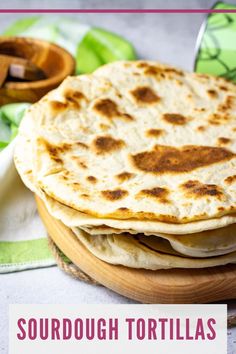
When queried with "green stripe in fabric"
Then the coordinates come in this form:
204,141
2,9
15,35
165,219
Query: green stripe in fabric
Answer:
24,251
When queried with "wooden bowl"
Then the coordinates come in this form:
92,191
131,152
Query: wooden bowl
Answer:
55,61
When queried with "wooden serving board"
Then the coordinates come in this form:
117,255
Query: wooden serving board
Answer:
146,286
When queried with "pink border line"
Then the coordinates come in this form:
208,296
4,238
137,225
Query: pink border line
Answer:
118,11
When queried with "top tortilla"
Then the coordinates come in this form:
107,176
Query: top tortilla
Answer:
139,140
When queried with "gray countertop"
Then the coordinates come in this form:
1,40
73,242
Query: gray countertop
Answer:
168,38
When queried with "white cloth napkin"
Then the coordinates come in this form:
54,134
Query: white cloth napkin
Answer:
23,243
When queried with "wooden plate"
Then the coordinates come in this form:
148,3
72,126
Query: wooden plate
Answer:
162,286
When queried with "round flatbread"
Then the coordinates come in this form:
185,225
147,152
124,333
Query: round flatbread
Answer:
220,240
139,140
138,253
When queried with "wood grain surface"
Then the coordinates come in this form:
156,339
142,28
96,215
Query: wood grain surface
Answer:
53,60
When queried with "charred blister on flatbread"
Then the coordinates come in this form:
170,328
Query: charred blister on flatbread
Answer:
219,118
230,179
106,144
159,194
110,110
175,118
169,159
154,133
197,189
145,95
223,141
79,161
228,104
114,195
124,176
91,179
74,97
212,93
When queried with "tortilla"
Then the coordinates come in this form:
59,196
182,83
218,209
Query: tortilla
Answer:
84,162
134,253
208,243
199,244
139,140
94,226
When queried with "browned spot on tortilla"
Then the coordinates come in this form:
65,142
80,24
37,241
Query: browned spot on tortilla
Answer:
155,70
230,103
201,128
127,116
80,144
145,94
53,151
123,209
175,118
107,144
79,162
92,179
224,141
202,76
142,64
174,71
74,97
65,174
158,193
56,152
85,196
223,88
212,93
168,159
124,176
109,109
218,119
198,190
113,195
58,106
230,179
154,133
221,209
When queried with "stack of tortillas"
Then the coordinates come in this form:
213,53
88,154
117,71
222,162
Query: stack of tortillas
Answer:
139,160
